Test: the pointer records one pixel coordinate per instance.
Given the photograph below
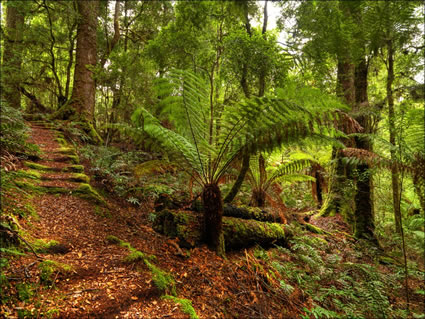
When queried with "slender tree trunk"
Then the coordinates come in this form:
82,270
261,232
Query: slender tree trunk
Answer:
84,89
238,183
262,77
12,54
213,218
395,176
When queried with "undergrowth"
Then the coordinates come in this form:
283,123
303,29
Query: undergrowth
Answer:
339,280
130,174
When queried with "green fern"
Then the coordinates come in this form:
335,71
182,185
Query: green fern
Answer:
256,125
259,124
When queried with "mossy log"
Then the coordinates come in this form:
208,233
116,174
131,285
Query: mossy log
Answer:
247,212
244,212
238,233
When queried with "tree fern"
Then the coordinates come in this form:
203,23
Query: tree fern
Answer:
259,124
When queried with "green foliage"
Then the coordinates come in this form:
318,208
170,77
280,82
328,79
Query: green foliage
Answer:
50,267
13,131
186,305
24,291
260,124
338,289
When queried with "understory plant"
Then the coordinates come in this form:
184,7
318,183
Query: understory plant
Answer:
263,175
204,142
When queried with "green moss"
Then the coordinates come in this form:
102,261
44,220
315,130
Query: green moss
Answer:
61,141
67,151
49,267
30,173
315,229
186,305
43,246
38,167
79,178
73,159
28,186
102,212
87,192
135,256
162,280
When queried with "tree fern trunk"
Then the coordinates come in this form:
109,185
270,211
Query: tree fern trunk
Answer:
213,218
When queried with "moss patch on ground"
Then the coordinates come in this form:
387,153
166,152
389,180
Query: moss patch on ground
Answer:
50,267
66,151
162,280
185,304
39,167
85,191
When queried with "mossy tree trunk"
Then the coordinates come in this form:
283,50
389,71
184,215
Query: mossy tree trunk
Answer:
84,89
363,212
12,54
213,217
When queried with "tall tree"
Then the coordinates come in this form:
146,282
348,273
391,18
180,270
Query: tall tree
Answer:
84,88
12,54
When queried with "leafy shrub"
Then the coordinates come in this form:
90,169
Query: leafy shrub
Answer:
13,131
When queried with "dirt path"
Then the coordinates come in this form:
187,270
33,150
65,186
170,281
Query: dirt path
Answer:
101,284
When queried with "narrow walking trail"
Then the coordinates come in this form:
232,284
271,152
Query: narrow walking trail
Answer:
99,283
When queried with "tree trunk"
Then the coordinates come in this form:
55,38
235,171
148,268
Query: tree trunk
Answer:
363,214
395,179
258,198
213,215
12,54
84,89
346,90
238,183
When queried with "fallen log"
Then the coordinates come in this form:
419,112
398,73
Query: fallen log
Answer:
244,212
238,233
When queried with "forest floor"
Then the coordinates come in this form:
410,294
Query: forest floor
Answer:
99,282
